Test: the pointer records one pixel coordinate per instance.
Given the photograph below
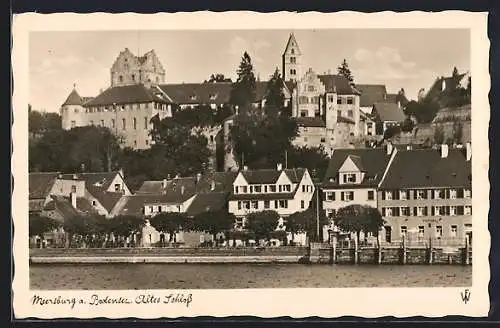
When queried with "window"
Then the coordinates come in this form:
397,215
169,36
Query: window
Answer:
467,193
323,140
468,210
350,100
251,189
350,113
404,229
246,204
453,210
303,100
453,193
146,105
388,195
133,77
371,195
124,124
421,231
453,231
387,211
254,204
403,194
239,204
135,143
113,123
211,139
73,188
350,178
310,88
302,204
257,189
118,187
303,113
120,78
272,188
421,194
339,113
347,196
288,188
292,60
330,195
236,189
244,189
93,203
292,51
145,123
339,101
265,189
292,72
330,98
267,204
439,231
283,203
405,211
73,124
420,211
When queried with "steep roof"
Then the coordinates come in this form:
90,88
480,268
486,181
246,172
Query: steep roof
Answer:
150,187
371,94
107,199
422,168
436,89
198,93
73,99
40,184
395,97
128,94
337,83
389,112
270,176
100,179
64,207
292,40
212,201
310,122
372,161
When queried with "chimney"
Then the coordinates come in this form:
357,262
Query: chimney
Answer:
279,166
389,148
182,190
468,151
245,168
72,197
444,151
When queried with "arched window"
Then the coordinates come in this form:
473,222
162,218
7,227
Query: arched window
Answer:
120,78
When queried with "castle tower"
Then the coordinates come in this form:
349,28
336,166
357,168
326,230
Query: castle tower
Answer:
72,111
129,69
291,60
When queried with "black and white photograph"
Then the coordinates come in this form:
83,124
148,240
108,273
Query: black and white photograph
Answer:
163,165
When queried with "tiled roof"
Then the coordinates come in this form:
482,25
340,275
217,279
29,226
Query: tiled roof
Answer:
436,88
310,122
389,112
151,187
357,161
36,205
64,207
40,184
106,198
395,97
223,182
210,201
295,175
198,93
343,119
73,99
371,94
270,176
128,94
103,179
425,168
373,162
338,83
87,99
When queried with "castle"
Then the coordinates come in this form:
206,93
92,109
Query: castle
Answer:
327,107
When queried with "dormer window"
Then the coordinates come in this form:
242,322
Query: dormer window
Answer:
350,178
212,96
193,97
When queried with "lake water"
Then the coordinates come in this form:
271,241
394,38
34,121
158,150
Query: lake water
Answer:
217,276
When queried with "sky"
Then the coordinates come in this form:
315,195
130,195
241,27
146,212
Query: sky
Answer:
399,58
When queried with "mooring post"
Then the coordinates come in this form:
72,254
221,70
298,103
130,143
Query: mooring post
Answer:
356,251
467,249
379,244
334,250
404,250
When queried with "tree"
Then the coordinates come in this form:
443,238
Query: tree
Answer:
357,218
170,222
312,158
424,111
407,125
275,98
345,71
262,223
217,78
214,222
126,225
35,120
39,225
392,131
244,89
439,135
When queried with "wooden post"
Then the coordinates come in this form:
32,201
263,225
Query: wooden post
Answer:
467,249
404,250
334,246
379,244
355,250
430,251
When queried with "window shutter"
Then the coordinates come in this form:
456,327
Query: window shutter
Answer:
383,195
414,211
395,195
333,195
433,211
383,211
324,195
342,196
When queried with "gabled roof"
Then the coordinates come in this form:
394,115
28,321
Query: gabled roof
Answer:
212,201
310,122
270,176
389,112
150,187
357,161
198,93
40,184
371,94
73,99
107,199
128,94
64,207
295,175
436,88
373,162
292,40
395,97
337,83
421,168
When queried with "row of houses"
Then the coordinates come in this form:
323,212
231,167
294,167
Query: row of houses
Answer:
424,193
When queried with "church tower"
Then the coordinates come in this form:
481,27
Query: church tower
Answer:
291,60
